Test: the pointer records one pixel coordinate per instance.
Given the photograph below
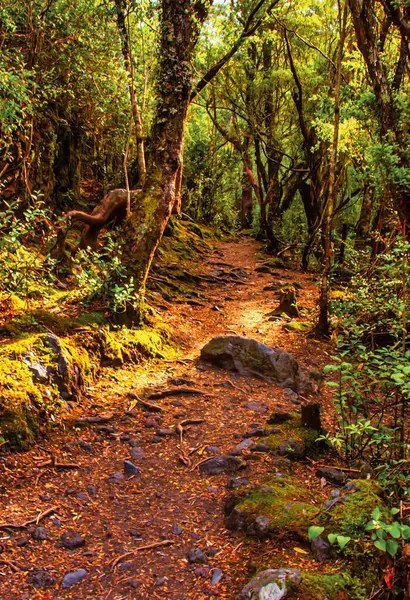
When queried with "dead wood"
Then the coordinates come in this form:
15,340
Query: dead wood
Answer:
148,405
97,419
112,208
13,566
35,520
115,561
179,391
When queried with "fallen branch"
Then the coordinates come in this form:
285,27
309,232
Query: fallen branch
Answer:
35,520
58,465
97,419
144,403
115,561
10,564
180,429
179,391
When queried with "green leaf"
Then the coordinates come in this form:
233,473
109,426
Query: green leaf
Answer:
381,545
394,511
394,530
405,532
332,538
392,546
342,540
376,513
314,531
406,370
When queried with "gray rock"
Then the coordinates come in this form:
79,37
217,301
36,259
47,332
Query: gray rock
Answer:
261,448
321,549
213,450
256,432
41,578
130,468
237,482
235,520
40,534
259,527
73,578
221,464
258,407
334,476
137,453
270,585
176,529
195,555
40,371
282,463
71,539
244,445
253,358
295,449
216,576
165,432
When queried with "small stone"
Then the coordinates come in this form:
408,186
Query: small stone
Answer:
258,407
40,578
221,464
130,468
135,533
282,463
71,539
257,432
320,549
137,453
134,583
237,482
82,496
202,572
177,403
216,576
213,450
45,497
260,527
334,476
212,489
117,477
165,432
244,445
125,566
40,534
73,578
334,494
22,542
270,584
176,529
351,487
161,581
92,490
181,381
156,439
195,555
261,448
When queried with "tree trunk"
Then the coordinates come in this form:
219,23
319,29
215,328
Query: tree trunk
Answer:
322,326
151,209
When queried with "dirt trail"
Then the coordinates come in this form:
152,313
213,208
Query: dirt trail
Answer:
167,500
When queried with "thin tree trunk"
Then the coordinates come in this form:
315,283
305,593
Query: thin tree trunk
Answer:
323,323
121,6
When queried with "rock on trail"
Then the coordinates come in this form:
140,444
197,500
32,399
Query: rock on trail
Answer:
249,357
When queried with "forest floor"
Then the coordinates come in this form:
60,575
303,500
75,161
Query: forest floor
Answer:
167,503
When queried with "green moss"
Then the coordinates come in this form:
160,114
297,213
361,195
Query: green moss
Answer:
349,518
297,327
20,401
336,586
285,502
130,345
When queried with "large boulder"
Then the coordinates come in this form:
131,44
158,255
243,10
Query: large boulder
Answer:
271,584
249,357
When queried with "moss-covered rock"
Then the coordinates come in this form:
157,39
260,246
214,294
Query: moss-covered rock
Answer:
339,585
285,504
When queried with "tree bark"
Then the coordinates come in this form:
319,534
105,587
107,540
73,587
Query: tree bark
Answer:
151,208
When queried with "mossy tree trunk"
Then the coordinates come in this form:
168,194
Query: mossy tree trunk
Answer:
151,208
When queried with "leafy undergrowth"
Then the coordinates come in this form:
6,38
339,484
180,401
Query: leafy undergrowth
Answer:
54,341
